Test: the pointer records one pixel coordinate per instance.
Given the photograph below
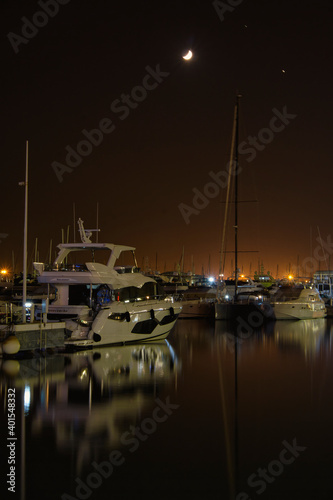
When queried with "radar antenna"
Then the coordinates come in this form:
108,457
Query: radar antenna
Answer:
85,233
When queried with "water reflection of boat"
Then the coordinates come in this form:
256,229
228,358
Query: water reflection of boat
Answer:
123,367
308,335
90,398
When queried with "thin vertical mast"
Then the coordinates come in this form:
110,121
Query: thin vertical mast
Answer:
226,212
25,238
97,224
236,191
36,249
74,222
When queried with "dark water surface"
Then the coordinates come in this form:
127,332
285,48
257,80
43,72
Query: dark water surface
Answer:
204,414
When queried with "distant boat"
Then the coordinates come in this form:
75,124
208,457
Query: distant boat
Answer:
264,278
245,286
198,301
102,303
173,282
297,302
197,308
323,281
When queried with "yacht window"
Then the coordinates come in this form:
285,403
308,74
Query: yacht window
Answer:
78,295
148,291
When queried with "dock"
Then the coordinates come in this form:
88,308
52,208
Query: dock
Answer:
32,336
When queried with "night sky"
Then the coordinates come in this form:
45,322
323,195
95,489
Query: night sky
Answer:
172,128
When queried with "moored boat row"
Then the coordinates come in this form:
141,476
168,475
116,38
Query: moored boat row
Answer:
288,302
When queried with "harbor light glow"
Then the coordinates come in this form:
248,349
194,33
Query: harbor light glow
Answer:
4,271
27,399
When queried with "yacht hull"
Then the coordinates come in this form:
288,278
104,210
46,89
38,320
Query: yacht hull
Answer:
297,311
122,323
197,309
300,304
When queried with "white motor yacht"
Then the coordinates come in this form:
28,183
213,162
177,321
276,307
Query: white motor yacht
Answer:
297,302
102,303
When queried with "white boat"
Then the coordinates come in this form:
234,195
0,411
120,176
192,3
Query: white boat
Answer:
173,283
197,308
298,303
102,303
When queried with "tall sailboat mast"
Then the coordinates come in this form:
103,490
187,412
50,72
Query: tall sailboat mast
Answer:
236,191
226,212
25,235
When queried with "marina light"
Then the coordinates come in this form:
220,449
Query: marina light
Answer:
290,277
27,399
4,271
211,279
28,304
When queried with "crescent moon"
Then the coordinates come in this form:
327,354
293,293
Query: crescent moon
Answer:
188,56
